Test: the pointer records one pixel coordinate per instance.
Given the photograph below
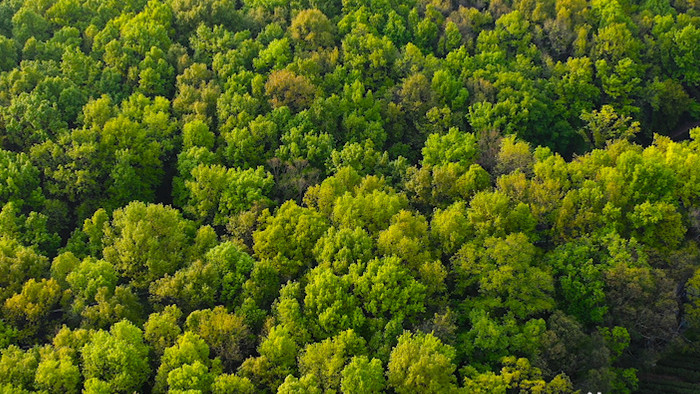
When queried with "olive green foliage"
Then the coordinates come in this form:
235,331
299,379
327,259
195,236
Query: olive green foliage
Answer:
417,196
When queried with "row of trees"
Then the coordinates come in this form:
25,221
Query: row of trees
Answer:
356,196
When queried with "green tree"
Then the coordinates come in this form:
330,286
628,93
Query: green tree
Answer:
19,264
658,225
343,247
27,23
327,359
216,193
188,14
330,304
575,88
505,276
225,333
450,227
110,308
421,363
363,158
605,125
288,238
33,117
251,145
188,160
57,372
156,75
453,147
89,276
441,185
407,238
578,267
311,29
685,53
18,368
8,49
226,383
493,214
218,278
368,56
117,358
517,373
371,209
186,362
308,384
285,88
162,329
190,377
277,360
30,309
197,91
362,375
32,230
390,297
197,134
276,56
361,116
145,242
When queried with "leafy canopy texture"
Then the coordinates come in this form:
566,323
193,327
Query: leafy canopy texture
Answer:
356,196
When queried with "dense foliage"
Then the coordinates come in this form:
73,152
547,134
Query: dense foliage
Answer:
348,196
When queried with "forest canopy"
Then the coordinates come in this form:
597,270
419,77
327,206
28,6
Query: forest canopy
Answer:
417,196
